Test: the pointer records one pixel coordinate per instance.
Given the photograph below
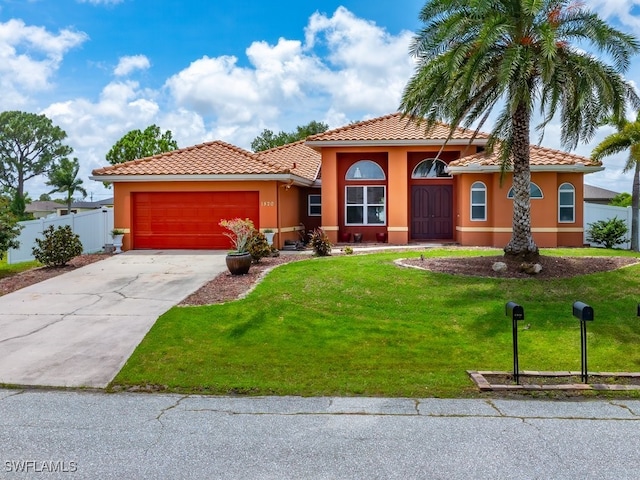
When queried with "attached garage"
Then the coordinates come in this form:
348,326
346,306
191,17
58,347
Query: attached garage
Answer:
188,220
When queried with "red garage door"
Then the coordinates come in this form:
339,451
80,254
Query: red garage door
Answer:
188,220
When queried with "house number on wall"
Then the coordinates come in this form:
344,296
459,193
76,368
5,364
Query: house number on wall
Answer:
268,204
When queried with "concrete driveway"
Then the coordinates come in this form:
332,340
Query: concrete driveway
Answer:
78,329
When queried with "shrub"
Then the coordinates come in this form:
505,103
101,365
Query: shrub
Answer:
320,243
348,251
259,246
608,232
57,246
9,231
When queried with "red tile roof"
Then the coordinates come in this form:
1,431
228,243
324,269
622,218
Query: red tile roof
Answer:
294,157
392,128
302,161
213,158
540,156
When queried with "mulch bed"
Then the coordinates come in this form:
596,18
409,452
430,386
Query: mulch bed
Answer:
552,267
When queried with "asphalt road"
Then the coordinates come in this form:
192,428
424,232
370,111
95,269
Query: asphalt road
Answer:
78,435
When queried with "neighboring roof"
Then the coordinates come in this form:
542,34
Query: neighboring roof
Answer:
82,204
42,206
542,159
592,192
217,159
394,130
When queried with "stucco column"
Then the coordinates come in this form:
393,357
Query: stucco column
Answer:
330,194
398,198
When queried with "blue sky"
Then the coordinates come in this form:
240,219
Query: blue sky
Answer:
219,69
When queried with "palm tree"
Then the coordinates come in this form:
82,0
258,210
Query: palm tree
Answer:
626,138
64,178
473,56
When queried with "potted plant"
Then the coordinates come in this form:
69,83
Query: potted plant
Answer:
269,233
117,234
240,232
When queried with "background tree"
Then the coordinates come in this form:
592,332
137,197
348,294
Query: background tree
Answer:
621,200
29,146
626,138
64,178
140,144
267,139
511,54
44,197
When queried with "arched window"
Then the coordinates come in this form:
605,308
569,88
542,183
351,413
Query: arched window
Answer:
478,202
365,170
431,168
534,191
566,203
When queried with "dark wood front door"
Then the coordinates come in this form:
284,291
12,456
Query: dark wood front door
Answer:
431,212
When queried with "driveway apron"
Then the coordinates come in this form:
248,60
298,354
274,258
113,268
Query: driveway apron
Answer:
78,329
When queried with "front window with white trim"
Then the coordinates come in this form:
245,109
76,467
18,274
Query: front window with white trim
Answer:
478,202
566,203
365,205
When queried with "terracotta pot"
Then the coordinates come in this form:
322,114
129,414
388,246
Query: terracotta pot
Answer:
238,263
345,237
381,237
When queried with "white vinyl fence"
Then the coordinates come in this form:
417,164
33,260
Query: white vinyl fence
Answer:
594,212
94,228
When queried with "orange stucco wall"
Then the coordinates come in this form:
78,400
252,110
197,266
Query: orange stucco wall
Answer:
495,231
278,204
398,163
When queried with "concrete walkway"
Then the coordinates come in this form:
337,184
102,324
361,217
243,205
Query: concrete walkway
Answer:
78,329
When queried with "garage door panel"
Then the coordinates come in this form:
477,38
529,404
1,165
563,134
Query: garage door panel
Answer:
188,220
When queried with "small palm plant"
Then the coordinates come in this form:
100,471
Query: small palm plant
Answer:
240,233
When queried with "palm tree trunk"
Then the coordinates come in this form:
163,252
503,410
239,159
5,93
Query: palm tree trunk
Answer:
635,204
521,246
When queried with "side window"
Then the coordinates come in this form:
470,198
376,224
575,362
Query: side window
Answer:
478,202
314,204
566,203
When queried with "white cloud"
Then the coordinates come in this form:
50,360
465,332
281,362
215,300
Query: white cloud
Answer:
126,65
622,10
346,65
29,57
342,69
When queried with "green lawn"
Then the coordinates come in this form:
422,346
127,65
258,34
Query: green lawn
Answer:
359,325
7,270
